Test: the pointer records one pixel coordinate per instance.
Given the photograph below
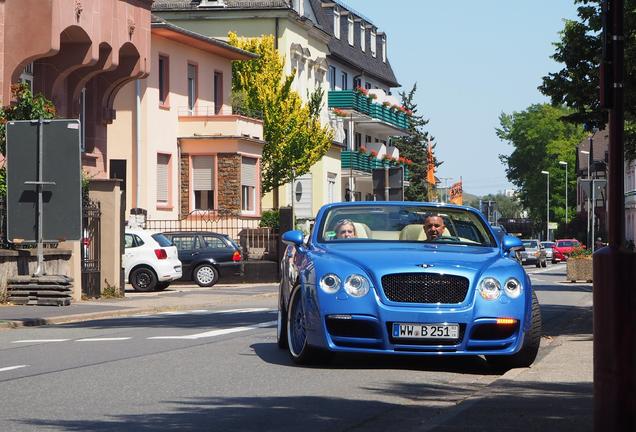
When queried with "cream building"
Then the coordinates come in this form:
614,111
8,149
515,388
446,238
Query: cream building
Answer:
304,46
180,150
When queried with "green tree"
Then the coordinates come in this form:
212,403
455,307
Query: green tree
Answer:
507,207
26,106
295,138
414,146
541,139
577,84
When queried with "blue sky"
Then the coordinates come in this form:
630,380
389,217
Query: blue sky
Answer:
471,61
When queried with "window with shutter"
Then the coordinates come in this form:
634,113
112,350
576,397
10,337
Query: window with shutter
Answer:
203,182
248,183
163,171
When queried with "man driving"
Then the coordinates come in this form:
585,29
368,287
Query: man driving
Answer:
434,227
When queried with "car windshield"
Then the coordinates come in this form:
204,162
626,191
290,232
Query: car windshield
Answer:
391,223
548,245
162,240
568,243
530,244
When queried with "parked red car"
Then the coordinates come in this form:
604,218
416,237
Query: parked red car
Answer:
566,246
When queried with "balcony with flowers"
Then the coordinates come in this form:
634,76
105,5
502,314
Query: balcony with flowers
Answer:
364,160
372,103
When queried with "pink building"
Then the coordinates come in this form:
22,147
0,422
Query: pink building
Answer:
176,143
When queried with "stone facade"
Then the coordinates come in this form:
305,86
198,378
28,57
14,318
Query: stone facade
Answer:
184,192
229,182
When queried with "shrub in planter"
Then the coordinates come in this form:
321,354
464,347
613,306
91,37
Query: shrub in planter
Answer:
579,265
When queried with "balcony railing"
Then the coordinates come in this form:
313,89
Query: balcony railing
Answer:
351,99
366,162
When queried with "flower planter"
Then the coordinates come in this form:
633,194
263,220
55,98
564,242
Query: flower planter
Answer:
579,269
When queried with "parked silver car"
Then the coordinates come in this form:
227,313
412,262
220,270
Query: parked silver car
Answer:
533,253
549,255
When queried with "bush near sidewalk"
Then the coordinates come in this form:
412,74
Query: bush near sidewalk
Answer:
579,265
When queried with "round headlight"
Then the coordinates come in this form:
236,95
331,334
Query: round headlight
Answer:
330,283
356,285
489,288
512,288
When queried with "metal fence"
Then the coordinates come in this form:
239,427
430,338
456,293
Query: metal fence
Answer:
257,243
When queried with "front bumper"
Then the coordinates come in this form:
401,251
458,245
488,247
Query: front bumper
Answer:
365,325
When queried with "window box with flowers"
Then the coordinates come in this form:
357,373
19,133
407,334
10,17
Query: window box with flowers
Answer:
339,112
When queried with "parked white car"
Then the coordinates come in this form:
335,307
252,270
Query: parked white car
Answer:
150,260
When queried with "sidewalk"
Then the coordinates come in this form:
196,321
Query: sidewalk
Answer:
177,297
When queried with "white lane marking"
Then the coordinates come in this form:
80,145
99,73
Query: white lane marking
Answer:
174,313
106,339
245,310
9,368
544,270
40,340
219,332
199,311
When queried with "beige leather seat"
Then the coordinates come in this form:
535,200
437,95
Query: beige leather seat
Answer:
413,232
362,230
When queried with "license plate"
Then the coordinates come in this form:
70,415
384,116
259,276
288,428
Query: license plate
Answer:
425,331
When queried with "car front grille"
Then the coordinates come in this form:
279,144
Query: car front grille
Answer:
425,288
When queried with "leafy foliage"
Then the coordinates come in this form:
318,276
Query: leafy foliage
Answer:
507,207
270,218
541,139
295,138
25,107
581,252
414,147
577,84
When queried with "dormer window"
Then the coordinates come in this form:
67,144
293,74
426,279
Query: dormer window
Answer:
384,49
350,29
373,43
363,37
336,23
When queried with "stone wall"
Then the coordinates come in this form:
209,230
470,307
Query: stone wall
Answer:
229,181
184,193
25,262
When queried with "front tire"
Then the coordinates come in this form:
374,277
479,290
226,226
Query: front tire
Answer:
531,341
281,326
299,350
143,279
206,275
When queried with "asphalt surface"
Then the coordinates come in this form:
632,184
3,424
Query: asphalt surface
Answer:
182,366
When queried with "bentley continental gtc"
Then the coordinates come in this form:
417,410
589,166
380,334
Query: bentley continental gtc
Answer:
405,278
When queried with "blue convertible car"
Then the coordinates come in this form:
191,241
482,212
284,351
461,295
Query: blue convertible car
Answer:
406,278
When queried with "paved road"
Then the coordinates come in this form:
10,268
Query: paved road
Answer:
220,370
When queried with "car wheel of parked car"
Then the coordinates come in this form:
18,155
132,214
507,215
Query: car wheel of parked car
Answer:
554,261
528,353
162,286
301,352
143,279
281,326
206,275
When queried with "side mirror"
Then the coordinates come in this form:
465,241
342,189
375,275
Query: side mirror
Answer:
511,243
293,237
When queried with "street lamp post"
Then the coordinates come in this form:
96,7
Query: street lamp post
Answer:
589,192
547,213
565,164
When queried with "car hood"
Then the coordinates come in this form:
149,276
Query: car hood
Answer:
384,258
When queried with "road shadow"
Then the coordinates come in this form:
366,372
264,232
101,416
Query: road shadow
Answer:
187,320
505,405
560,320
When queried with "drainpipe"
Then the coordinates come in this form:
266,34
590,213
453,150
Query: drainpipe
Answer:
138,141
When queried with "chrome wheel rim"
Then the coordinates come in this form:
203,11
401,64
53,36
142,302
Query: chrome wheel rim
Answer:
297,334
205,275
